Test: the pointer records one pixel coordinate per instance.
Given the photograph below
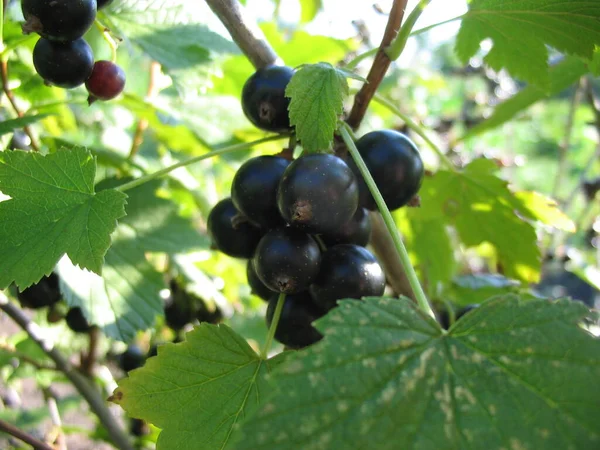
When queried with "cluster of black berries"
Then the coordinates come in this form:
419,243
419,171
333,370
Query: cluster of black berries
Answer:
183,307
303,224
61,56
46,293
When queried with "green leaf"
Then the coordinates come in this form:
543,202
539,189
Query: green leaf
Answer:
476,288
520,32
53,210
317,93
536,206
595,63
8,126
199,390
511,374
310,8
561,77
482,209
126,298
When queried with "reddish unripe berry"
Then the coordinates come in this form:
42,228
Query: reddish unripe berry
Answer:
106,81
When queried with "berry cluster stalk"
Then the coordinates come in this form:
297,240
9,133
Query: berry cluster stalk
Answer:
344,131
274,322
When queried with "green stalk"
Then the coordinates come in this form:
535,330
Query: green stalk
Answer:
388,220
417,129
274,322
222,151
1,25
395,49
429,27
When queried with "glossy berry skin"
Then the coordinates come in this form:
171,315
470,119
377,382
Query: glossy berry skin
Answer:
230,232
257,287
444,317
44,293
103,3
132,358
347,271
287,260
318,194
66,65
295,329
106,81
356,231
395,164
58,20
76,321
263,98
254,189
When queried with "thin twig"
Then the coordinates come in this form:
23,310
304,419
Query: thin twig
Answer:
88,359
13,102
142,125
57,434
87,390
379,68
249,38
23,436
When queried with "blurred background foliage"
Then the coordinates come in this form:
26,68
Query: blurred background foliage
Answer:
182,99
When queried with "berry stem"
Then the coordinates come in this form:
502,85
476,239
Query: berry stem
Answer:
108,38
398,44
264,354
389,221
222,151
2,25
418,130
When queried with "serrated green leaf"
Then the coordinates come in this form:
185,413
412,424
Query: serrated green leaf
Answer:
511,374
561,77
482,209
8,126
53,211
520,32
535,206
317,94
199,390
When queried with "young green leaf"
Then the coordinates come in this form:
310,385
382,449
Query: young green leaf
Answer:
520,32
496,380
317,93
482,209
53,210
199,390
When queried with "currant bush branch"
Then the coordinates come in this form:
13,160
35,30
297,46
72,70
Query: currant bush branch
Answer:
389,221
87,390
24,436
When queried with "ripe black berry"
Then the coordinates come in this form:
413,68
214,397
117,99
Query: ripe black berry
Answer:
139,427
444,317
256,286
263,98
295,328
103,3
287,260
58,20
347,271
179,310
106,81
44,293
254,189
318,193
132,358
395,164
66,65
76,321
231,232
356,231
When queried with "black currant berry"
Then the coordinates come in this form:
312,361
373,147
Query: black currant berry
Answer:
395,164
76,321
139,427
356,231
263,98
44,293
206,314
347,271
132,358
318,193
103,3
444,317
231,232
106,81
254,189
179,310
58,20
66,65
295,328
256,286
287,260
